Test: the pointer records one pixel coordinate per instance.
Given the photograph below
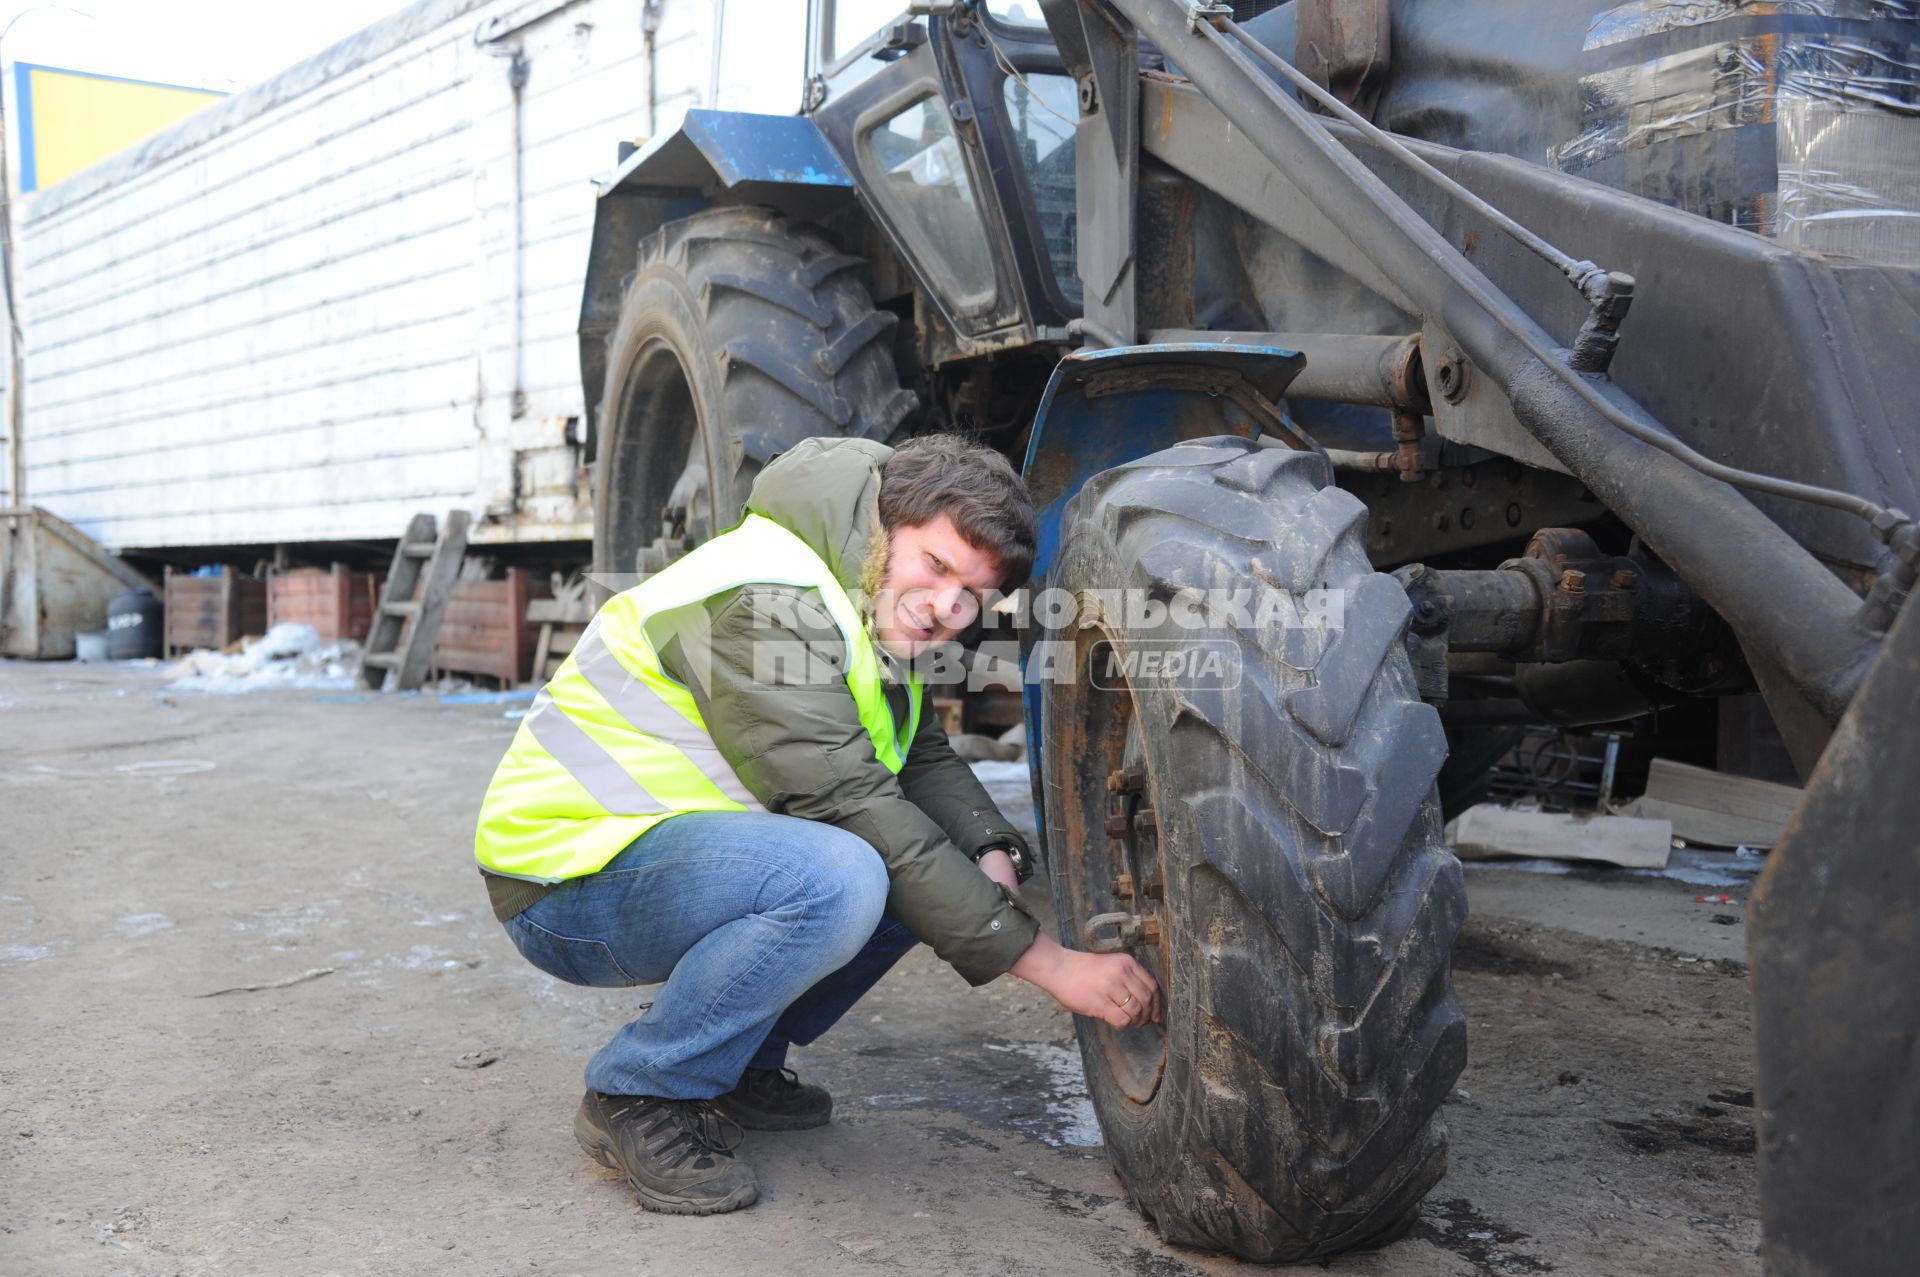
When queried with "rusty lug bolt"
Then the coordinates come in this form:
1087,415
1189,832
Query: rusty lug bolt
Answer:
1625,579
1118,826
1123,886
1147,823
1573,581
1150,930
1450,376
1126,780
1154,891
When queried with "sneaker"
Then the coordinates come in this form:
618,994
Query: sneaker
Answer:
671,1152
775,1100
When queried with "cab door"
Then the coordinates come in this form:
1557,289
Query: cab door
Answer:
895,102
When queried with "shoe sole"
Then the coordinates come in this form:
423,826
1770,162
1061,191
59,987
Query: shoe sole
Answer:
600,1149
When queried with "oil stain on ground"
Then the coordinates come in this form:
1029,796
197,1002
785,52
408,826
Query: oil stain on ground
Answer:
1719,1134
1484,953
1455,1225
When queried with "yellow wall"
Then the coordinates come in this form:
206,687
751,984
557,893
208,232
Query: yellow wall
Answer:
70,119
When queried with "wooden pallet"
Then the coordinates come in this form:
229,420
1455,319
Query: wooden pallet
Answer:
562,620
408,620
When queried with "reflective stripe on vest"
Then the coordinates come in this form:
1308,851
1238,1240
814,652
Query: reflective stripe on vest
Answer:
613,745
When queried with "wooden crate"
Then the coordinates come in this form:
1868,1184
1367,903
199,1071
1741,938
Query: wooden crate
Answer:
212,611
484,630
337,603
561,621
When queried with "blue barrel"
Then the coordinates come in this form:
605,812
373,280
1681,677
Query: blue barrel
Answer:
133,626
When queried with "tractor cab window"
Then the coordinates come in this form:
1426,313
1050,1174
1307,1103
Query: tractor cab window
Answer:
1041,113
1016,13
923,176
851,21
760,61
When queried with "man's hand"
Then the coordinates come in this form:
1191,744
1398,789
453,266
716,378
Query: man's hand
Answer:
998,865
1106,986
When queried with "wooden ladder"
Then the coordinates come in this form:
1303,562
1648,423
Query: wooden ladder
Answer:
441,554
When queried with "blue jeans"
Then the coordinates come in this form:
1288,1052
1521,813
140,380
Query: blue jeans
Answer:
765,929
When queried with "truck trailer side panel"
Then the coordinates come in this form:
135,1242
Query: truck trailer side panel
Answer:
346,294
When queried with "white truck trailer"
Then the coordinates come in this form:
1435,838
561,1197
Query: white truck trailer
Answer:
349,293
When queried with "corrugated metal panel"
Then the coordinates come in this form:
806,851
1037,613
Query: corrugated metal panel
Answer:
291,316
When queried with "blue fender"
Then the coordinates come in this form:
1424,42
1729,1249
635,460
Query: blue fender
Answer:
714,157
732,150
1104,408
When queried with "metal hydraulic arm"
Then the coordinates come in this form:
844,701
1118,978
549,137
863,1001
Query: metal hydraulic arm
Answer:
1683,505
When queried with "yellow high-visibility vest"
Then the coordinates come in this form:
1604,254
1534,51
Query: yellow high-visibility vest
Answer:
613,745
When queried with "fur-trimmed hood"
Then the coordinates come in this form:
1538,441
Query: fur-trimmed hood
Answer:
827,493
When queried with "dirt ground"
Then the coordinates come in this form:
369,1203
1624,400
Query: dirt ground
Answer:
259,1020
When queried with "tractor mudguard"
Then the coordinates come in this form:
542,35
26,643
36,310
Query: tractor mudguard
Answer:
1104,408
781,162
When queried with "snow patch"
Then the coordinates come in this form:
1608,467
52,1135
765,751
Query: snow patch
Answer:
135,925
1070,1118
30,952
1695,866
288,656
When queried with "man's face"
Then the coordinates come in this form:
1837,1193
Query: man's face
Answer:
934,587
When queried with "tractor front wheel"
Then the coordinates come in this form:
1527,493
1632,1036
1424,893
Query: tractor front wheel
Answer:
1255,792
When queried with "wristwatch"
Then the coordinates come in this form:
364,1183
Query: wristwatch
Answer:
1022,866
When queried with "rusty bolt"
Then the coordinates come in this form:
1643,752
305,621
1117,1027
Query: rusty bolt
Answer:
1147,823
1123,885
1573,581
1150,930
1450,376
1154,891
1625,579
1126,780
1118,826
1513,514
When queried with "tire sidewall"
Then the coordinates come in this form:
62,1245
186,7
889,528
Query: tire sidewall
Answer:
659,308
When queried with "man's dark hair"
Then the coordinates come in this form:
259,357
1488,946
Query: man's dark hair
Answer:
972,485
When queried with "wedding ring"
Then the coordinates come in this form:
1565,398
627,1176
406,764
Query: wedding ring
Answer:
1129,999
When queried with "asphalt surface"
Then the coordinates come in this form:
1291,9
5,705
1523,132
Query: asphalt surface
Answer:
395,1095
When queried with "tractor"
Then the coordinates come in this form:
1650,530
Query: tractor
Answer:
1570,348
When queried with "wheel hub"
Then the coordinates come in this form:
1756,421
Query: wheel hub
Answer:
1120,897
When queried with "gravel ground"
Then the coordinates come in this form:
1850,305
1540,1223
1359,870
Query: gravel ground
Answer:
260,1020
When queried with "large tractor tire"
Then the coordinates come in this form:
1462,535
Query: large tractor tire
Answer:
740,334
1269,822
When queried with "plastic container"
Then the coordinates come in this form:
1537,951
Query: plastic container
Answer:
91,646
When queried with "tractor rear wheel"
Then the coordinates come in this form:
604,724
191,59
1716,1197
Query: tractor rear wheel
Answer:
741,334
1264,809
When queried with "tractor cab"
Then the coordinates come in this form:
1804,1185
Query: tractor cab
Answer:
959,127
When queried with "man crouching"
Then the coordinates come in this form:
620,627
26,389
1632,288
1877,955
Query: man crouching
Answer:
730,786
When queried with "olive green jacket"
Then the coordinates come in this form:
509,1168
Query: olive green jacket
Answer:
753,658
